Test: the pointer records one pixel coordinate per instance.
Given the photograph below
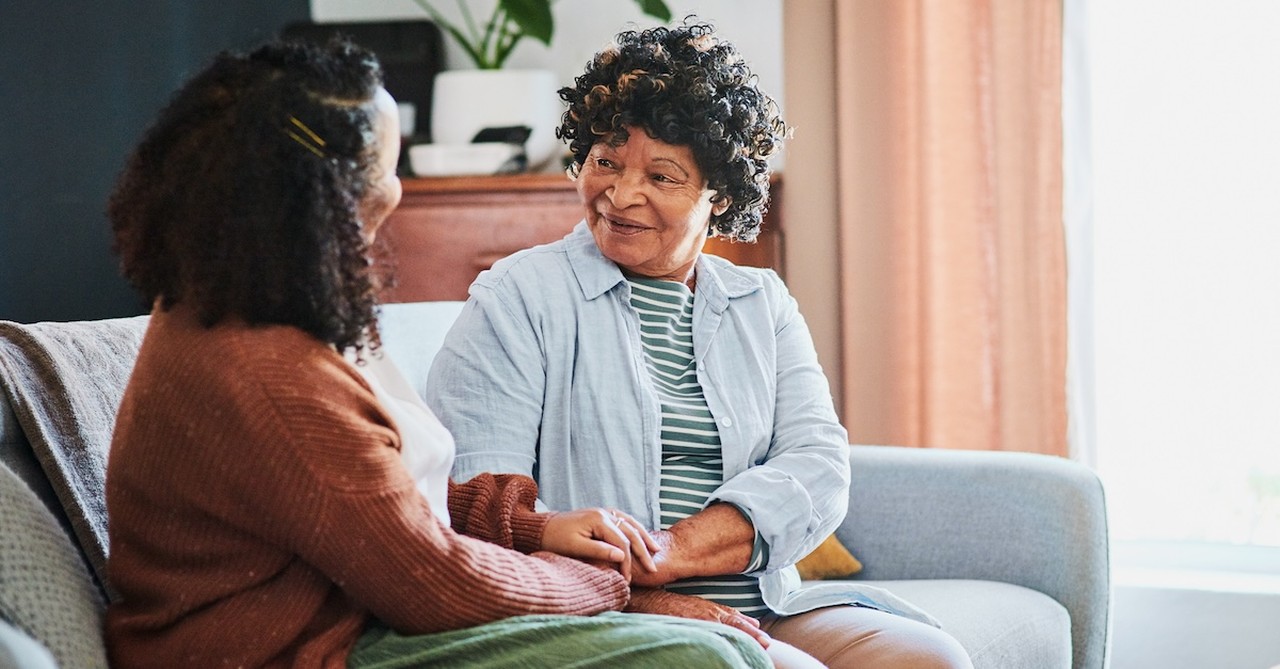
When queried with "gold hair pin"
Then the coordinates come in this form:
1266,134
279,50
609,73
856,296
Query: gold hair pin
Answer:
315,141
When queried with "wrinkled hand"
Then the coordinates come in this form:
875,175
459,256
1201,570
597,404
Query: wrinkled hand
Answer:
601,536
669,562
649,600
716,540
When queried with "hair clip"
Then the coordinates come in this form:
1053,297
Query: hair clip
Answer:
315,139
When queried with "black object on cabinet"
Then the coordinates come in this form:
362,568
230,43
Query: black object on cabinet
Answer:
411,53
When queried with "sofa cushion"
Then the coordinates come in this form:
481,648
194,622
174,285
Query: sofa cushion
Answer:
45,588
64,382
1003,626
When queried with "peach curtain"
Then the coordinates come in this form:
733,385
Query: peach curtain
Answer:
953,276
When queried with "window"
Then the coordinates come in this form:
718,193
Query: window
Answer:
1185,254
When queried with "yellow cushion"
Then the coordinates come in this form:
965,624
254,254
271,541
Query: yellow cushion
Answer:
829,560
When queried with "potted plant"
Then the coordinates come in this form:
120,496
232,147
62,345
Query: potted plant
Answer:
466,101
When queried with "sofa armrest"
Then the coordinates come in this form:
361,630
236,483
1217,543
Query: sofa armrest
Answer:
1032,520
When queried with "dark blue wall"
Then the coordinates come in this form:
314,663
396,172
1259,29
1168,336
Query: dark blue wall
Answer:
79,82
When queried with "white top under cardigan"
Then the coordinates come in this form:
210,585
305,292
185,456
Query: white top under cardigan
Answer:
426,447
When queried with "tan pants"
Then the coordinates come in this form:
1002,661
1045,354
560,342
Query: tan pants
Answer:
850,636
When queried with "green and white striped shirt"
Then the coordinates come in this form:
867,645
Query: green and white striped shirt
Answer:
692,464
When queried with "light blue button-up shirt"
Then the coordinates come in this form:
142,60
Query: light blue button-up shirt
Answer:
543,374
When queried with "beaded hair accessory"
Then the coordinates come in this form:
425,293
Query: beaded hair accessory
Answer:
312,142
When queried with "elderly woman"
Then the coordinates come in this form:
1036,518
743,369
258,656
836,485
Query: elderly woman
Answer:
623,368
262,508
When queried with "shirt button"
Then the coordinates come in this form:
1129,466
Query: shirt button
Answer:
726,422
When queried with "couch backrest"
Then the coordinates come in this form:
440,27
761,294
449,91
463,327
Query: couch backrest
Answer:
64,382
58,376
61,385
412,334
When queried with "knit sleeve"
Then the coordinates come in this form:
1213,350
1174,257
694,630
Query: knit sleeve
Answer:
498,509
336,494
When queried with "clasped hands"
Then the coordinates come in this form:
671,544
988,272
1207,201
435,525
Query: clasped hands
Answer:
609,538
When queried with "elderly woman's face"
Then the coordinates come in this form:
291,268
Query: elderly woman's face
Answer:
648,205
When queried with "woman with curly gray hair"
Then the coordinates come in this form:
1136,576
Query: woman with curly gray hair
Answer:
624,368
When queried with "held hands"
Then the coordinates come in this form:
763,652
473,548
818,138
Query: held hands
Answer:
647,600
667,561
601,536
716,540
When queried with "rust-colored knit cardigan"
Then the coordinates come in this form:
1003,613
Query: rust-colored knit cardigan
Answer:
259,513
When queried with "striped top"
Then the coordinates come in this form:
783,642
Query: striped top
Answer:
692,465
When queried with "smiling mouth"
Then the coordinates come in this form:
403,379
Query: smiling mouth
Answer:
622,227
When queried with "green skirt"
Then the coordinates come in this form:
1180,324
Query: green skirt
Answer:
562,642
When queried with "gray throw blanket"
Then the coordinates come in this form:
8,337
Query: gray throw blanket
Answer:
64,382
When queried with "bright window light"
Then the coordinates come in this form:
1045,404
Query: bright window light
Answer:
1186,268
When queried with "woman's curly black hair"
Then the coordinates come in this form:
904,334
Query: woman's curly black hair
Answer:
685,87
243,198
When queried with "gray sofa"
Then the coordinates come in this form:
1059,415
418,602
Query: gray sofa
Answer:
1007,550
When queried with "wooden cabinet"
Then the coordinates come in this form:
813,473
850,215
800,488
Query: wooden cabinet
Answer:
447,230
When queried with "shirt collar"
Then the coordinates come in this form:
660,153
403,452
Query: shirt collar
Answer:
596,274
718,280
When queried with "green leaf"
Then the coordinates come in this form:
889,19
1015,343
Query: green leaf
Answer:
655,8
473,45
533,17
477,55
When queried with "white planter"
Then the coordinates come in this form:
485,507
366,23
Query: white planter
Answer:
465,101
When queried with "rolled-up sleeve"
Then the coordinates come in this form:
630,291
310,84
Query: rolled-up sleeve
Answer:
798,493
